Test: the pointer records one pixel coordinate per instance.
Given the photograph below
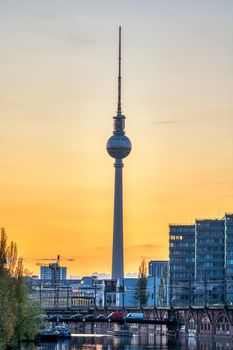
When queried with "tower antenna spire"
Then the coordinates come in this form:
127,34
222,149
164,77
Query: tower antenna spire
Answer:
119,75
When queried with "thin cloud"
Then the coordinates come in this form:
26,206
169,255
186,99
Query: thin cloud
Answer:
39,264
135,247
131,275
143,246
165,122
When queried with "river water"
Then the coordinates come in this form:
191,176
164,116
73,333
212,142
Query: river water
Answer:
136,342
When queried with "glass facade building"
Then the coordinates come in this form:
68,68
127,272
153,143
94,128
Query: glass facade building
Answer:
209,261
49,272
158,268
181,264
201,262
229,258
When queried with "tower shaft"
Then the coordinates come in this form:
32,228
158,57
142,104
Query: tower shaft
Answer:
118,147
118,244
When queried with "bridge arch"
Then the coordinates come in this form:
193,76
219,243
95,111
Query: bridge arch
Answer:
223,325
191,325
206,326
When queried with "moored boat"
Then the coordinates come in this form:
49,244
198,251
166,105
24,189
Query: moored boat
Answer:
54,333
63,331
121,333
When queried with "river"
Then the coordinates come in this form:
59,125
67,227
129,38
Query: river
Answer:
136,342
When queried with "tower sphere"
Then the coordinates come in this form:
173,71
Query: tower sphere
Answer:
118,146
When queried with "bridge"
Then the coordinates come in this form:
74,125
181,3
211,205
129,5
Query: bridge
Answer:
169,323
212,320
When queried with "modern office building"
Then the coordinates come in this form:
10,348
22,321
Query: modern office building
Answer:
229,259
181,264
53,271
158,268
126,292
201,262
209,261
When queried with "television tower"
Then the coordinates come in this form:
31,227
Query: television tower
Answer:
118,147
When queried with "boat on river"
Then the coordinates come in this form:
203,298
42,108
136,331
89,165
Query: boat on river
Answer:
120,331
54,333
63,331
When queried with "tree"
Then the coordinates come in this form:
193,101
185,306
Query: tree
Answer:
141,293
7,297
11,256
3,248
18,318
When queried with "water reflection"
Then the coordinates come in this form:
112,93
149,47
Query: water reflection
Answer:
139,342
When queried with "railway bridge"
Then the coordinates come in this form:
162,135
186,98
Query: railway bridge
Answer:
212,320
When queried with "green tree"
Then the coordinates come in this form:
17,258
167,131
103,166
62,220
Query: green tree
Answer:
18,318
7,296
141,294
11,257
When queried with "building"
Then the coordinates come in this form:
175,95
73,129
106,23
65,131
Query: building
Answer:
85,292
118,147
126,290
229,258
158,268
109,289
49,272
181,264
201,262
209,261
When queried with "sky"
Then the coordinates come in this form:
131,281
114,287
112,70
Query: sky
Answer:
58,94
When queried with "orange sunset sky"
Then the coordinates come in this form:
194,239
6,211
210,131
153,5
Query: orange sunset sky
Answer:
58,90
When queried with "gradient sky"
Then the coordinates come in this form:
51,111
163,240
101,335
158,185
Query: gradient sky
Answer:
58,68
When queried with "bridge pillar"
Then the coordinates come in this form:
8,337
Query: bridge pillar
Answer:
214,325
92,327
84,327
